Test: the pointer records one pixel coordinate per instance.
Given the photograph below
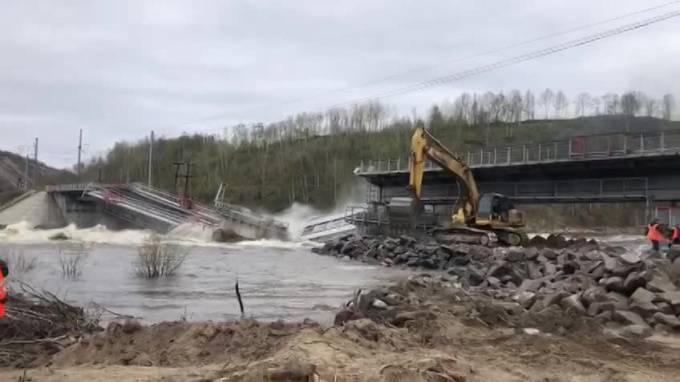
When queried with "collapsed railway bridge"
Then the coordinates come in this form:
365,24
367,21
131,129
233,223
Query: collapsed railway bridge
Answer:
137,206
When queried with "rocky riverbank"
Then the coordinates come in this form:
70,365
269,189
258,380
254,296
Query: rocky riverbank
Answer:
633,294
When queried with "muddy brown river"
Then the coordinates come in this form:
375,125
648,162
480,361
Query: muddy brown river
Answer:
278,280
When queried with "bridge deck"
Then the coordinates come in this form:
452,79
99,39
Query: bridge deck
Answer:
582,149
147,207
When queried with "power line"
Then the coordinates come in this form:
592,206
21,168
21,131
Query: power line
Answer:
488,52
514,60
457,60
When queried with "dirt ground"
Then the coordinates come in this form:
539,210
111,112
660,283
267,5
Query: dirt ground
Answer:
440,335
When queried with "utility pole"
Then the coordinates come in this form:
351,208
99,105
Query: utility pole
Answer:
36,167
187,184
148,182
80,150
25,182
177,165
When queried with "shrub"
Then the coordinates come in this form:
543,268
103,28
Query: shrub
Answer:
157,259
72,263
19,263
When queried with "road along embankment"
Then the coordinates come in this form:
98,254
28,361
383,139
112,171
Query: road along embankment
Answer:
628,293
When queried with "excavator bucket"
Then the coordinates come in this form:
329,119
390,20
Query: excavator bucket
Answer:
404,211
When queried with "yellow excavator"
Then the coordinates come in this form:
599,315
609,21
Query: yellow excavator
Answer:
478,218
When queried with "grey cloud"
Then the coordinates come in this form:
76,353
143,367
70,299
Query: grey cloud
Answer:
120,68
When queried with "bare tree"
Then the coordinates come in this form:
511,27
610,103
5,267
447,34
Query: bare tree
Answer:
582,104
475,111
436,120
561,103
596,104
529,105
651,106
630,103
466,106
668,104
611,103
240,135
546,100
516,105
495,105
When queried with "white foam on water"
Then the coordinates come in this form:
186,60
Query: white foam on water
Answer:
297,216
188,234
269,243
22,233
192,232
620,238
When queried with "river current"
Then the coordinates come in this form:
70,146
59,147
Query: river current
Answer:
278,280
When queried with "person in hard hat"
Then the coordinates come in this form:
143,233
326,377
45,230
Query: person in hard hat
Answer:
4,271
655,233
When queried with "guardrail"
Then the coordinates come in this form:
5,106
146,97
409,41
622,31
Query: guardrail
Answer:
246,217
74,187
592,188
578,148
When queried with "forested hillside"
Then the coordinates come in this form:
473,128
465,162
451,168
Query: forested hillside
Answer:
310,158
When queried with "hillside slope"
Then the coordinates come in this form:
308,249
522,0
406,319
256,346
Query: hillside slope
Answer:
318,170
12,174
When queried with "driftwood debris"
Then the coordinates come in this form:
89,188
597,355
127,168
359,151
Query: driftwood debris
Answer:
238,296
38,322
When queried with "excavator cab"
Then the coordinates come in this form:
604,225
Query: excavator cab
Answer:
497,210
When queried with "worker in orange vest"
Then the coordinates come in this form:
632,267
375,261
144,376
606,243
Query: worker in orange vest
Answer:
675,236
4,270
654,234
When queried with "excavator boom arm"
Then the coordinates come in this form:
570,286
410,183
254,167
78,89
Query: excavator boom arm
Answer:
424,145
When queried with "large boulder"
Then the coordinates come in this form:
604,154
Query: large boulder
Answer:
407,241
549,254
630,258
614,284
642,302
634,280
669,320
660,282
515,255
636,331
610,263
573,303
594,294
534,271
629,318
673,298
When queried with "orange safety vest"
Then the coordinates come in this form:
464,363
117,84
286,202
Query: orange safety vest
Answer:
653,233
3,295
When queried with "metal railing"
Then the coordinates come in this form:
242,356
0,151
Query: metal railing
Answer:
591,188
248,217
596,189
359,215
592,147
73,187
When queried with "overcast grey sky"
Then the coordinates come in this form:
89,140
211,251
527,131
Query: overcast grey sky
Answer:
118,69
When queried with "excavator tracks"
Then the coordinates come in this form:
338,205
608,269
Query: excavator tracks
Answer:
469,235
